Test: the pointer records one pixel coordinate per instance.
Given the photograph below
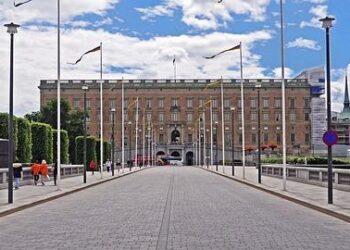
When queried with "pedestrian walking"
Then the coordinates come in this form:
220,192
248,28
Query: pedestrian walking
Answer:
54,173
108,164
92,166
17,173
35,171
44,171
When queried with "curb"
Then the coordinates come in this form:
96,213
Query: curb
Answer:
327,211
54,197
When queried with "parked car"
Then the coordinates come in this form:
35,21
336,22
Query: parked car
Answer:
176,163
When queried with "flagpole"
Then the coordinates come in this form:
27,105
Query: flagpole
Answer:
283,100
143,139
58,97
123,127
174,68
242,108
204,139
211,133
136,128
101,113
222,126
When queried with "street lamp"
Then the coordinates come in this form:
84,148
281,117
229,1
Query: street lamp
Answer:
258,86
202,148
216,145
327,24
233,139
112,138
11,29
207,150
85,88
130,162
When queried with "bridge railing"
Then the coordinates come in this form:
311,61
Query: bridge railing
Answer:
66,171
315,175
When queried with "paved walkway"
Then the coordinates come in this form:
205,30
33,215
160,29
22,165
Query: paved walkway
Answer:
316,196
28,194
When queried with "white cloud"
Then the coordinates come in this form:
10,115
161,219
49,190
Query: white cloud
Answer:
277,72
208,14
318,12
304,43
36,59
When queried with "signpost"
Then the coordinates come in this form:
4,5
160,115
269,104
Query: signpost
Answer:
330,138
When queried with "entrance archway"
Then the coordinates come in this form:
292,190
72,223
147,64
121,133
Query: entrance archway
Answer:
175,154
175,136
189,158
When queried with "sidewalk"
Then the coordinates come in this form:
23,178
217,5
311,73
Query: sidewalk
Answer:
29,195
312,196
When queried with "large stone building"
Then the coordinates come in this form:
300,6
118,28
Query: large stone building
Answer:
172,109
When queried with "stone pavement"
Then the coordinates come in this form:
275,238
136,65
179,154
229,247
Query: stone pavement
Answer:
29,195
313,196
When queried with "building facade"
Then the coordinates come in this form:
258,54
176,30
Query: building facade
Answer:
173,115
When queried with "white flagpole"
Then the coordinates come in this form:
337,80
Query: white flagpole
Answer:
136,128
58,98
222,126
211,133
101,112
148,142
283,100
242,108
143,139
199,139
204,139
123,127
174,68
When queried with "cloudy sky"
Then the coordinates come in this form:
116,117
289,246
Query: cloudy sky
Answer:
140,38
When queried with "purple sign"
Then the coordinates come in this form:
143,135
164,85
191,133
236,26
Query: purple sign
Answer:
330,137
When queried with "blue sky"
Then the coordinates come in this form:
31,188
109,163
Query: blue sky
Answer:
140,38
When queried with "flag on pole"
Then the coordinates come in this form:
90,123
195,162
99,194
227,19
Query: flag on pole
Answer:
226,50
213,84
132,104
21,3
174,60
88,52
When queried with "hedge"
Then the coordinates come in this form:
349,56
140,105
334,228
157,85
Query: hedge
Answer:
41,142
106,151
64,146
90,149
24,136
301,160
4,118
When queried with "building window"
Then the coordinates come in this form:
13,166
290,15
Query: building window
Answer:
227,116
126,103
254,117
214,103
175,116
189,138
111,103
265,116
215,116
161,103
278,102
278,138
228,137
76,103
189,102
175,102
307,138
266,103
126,116
149,103
161,116
266,138
292,117
88,103
278,117
239,103
306,103
149,117
292,103
88,115
292,138
240,138
254,140
254,103
161,138
189,117
227,103
307,117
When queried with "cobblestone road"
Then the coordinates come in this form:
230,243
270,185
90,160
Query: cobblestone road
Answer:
172,208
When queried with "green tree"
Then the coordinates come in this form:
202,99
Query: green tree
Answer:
34,116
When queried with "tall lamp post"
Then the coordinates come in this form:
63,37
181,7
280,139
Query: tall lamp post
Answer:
327,24
112,139
258,86
85,88
12,30
207,150
130,162
216,145
233,139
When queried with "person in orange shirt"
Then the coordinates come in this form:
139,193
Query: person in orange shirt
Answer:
35,171
44,171
92,166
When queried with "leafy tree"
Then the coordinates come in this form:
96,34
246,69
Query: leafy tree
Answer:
34,116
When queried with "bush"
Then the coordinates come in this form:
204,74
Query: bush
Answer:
64,146
90,149
4,119
41,142
24,146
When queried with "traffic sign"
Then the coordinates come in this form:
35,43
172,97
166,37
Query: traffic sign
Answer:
330,137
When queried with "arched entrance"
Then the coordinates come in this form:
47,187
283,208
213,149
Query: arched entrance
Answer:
175,154
175,136
189,158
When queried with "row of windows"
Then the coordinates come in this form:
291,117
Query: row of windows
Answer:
202,102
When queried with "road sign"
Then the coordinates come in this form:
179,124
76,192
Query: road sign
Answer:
330,137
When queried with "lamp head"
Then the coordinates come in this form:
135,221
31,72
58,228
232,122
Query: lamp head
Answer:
84,87
129,122
113,110
233,108
11,28
327,22
258,85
